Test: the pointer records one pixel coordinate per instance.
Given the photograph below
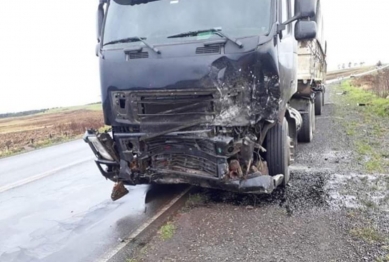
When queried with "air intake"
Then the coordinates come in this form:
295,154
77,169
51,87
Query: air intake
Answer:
208,50
139,55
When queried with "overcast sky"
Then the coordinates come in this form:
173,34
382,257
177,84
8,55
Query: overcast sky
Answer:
48,58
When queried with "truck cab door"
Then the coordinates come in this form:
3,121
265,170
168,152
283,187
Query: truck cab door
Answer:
287,51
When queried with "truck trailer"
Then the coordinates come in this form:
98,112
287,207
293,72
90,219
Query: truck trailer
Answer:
215,94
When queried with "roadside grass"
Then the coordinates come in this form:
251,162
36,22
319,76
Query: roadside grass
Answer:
368,234
383,259
104,129
167,231
367,202
196,200
38,145
373,104
11,152
369,126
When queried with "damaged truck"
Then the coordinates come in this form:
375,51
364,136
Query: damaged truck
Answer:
211,93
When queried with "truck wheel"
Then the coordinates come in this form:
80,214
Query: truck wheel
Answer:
278,151
306,132
318,103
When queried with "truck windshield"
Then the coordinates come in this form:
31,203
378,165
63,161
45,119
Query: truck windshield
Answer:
156,20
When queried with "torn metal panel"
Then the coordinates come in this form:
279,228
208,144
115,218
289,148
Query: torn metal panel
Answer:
219,89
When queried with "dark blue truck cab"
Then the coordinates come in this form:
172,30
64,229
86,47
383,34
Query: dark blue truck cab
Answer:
200,92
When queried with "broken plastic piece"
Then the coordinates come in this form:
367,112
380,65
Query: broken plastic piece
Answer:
119,191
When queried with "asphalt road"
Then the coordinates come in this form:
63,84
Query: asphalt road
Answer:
55,206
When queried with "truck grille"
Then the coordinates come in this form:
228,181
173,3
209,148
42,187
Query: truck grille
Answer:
208,50
172,107
139,55
183,153
160,144
184,163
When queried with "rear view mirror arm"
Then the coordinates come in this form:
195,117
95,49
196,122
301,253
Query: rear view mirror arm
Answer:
281,27
291,20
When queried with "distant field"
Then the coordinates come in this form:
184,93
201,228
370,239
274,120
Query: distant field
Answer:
347,72
92,107
18,134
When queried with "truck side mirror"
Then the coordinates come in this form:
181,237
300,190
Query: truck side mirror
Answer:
305,8
100,19
305,30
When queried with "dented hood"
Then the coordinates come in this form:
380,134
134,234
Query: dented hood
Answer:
240,81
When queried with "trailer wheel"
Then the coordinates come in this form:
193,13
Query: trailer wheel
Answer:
278,151
318,103
306,132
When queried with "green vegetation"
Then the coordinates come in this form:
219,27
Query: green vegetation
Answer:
368,203
196,200
38,145
383,259
11,152
104,129
374,105
368,125
167,231
367,234
375,160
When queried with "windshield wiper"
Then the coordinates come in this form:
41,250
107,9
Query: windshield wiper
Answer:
216,31
134,39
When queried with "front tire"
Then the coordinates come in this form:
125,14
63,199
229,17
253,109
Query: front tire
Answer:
278,151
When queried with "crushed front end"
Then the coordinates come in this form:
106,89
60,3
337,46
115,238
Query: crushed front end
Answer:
222,158
209,134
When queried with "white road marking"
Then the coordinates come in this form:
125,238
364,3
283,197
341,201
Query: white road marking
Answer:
42,175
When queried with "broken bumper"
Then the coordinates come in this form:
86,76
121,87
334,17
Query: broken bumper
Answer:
119,170
261,184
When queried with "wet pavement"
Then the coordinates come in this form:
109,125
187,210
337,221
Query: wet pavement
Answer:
62,211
